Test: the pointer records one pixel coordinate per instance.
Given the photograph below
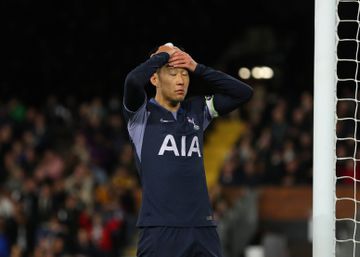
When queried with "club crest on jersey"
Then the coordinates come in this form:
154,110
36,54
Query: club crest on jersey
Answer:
169,145
191,120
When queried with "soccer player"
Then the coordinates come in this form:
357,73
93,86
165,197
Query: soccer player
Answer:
175,218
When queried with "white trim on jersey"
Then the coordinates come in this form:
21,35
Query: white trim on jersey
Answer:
210,104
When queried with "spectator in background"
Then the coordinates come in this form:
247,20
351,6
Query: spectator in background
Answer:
84,245
81,183
229,172
279,124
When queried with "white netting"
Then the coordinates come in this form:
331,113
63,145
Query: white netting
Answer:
347,195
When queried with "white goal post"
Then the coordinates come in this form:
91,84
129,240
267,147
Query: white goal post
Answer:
336,169
323,212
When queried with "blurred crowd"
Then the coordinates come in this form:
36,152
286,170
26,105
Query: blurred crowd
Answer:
69,185
276,148
68,181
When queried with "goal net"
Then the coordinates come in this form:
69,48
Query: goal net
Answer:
347,197
336,187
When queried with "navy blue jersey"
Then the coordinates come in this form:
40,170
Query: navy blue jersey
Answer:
169,146
169,151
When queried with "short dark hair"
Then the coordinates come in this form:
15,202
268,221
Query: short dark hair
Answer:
155,48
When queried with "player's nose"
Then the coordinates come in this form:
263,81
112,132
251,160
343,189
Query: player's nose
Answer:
180,80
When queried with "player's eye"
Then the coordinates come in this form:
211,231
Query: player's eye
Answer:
172,72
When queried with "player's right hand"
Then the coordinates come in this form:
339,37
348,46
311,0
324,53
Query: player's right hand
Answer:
181,59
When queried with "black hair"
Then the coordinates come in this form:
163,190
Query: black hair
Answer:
155,48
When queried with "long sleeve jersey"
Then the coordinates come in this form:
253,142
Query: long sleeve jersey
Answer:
169,146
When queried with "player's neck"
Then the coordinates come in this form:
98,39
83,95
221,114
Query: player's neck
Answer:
168,105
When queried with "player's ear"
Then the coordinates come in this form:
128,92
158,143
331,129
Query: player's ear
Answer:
154,79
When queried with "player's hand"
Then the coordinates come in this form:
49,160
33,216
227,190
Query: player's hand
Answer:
181,59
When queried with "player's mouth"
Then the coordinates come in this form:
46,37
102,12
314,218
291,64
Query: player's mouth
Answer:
180,92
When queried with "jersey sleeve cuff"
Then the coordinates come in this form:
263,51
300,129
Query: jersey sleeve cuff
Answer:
200,68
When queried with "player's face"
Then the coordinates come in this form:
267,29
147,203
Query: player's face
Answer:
173,83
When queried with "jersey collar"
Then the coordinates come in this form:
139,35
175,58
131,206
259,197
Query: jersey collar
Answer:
175,114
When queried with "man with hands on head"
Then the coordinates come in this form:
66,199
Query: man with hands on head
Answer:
166,131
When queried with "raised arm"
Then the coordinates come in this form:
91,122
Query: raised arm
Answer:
229,91
138,78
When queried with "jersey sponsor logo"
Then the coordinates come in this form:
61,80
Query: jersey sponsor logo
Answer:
169,145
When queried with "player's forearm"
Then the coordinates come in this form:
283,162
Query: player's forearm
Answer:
138,78
224,104
223,83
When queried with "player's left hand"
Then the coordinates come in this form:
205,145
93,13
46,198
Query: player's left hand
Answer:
181,59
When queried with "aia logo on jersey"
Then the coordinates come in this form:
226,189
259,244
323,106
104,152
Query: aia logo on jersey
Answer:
169,145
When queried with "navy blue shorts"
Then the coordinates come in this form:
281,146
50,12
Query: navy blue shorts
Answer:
179,242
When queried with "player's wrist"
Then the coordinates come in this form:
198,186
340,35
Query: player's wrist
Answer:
200,68
193,66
